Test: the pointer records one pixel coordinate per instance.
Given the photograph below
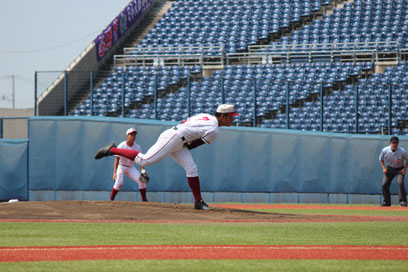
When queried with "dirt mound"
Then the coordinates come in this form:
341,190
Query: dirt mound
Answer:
133,211
154,212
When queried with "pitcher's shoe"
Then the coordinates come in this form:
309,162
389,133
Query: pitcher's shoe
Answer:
201,205
403,204
104,151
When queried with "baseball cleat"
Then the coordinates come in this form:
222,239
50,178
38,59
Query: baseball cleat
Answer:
403,204
201,205
104,151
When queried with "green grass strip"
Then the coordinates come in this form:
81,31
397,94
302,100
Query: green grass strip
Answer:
402,212
67,234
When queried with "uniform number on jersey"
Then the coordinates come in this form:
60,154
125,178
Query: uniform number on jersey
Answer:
201,119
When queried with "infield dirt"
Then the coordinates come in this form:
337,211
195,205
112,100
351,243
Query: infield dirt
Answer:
153,212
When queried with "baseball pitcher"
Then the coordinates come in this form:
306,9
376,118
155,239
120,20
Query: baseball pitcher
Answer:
177,142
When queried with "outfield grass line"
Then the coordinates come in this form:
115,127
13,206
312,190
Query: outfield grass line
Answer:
169,252
274,247
322,219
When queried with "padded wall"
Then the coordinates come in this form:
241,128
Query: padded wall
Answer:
13,169
241,159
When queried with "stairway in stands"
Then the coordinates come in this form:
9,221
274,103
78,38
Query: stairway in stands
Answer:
159,8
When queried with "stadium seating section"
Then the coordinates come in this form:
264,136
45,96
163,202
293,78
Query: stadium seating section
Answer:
330,96
360,21
231,23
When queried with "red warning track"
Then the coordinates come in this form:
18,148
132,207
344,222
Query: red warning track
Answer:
170,252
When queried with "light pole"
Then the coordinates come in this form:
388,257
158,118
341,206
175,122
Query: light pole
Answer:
12,98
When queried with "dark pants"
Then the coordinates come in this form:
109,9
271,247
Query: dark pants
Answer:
386,183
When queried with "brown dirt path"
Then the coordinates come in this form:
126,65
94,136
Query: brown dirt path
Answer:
153,212
170,252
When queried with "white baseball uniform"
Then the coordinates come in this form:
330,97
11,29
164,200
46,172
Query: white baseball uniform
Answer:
173,142
127,167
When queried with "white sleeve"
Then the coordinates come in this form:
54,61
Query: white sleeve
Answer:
405,154
210,136
382,154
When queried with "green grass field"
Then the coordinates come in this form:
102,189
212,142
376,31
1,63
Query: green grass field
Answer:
333,233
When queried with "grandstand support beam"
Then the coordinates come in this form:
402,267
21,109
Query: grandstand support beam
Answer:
91,89
35,92
65,92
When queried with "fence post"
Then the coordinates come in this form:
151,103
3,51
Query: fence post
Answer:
65,92
155,96
254,112
188,97
321,106
222,91
35,92
287,105
91,90
123,93
389,110
356,106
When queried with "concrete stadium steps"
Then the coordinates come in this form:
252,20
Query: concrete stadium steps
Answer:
158,9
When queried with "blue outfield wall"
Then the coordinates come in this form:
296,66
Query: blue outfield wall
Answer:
243,164
13,169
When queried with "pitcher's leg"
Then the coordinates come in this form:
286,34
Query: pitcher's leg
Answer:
167,143
129,154
185,159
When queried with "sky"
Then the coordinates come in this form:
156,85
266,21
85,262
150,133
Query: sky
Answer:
46,35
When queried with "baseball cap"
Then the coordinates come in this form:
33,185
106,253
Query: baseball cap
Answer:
227,108
394,139
130,130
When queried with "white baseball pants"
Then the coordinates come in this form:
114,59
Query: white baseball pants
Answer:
169,143
131,172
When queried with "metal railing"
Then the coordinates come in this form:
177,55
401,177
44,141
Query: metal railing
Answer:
217,56
355,51
160,60
174,50
286,105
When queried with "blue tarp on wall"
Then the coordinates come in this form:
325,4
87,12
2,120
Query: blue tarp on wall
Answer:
240,160
13,169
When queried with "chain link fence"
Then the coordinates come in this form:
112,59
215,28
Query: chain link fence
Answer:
308,106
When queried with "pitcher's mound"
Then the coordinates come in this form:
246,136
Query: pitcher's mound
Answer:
134,211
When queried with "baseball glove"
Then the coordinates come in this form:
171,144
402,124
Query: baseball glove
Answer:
144,177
